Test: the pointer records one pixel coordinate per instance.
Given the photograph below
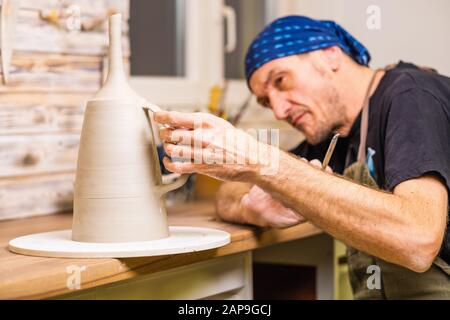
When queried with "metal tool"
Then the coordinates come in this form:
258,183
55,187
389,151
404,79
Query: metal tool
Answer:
152,107
330,150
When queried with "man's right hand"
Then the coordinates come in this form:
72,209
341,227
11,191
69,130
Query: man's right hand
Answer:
262,210
243,203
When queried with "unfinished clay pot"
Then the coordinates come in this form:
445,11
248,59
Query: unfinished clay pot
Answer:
119,194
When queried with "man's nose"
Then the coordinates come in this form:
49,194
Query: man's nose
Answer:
280,107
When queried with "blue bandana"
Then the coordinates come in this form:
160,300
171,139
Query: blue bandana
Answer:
293,35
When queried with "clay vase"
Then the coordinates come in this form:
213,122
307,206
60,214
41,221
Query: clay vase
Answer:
119,194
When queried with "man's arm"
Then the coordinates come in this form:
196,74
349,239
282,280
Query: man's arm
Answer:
248,204
229,201
241,202
405,227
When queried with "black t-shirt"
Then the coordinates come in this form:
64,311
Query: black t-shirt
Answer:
409,130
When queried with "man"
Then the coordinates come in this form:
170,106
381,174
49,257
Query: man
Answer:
395,126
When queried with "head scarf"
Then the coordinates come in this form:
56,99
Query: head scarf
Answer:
293,35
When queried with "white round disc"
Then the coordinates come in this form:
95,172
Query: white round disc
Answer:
60,244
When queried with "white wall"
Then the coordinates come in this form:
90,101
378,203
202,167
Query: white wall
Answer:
411,30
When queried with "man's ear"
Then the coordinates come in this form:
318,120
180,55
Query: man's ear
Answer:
333,57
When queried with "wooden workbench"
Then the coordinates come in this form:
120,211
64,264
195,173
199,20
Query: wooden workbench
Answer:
27,277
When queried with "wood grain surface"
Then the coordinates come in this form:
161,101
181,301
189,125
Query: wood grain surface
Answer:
26,277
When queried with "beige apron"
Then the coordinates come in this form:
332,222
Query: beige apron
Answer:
396,282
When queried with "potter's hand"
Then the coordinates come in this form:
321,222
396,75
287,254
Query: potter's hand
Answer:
210,145
317,164
263,210
260,208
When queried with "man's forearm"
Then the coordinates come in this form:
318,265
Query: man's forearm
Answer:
377,222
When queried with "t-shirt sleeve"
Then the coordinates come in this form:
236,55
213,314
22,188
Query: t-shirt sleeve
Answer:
417,139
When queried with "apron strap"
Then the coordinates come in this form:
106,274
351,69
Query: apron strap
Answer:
361,158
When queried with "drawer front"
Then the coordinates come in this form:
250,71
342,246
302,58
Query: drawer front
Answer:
227,277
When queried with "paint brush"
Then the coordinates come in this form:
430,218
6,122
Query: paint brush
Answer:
152,107
330,150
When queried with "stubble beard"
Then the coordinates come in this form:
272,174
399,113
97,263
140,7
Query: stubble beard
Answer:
335,119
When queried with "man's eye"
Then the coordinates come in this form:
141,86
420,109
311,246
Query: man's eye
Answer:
264,102
279,81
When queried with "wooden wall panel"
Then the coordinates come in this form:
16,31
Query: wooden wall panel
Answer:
43,72
36,113
38,154
35,34
54,71
38,195
88,7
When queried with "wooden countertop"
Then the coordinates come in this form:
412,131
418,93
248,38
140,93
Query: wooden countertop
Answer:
27,277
